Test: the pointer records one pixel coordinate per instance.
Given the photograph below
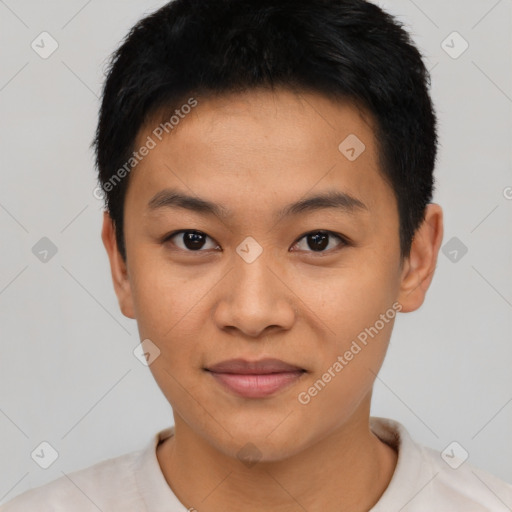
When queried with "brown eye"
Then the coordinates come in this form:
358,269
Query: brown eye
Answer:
318,241
192,240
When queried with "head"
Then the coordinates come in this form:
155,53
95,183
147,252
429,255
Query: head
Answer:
268,171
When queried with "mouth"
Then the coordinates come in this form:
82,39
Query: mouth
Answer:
255,379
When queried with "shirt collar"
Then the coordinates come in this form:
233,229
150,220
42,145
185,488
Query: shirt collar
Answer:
153,487
410,473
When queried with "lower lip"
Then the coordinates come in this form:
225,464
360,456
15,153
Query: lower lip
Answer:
257,386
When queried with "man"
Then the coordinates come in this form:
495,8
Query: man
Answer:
268,174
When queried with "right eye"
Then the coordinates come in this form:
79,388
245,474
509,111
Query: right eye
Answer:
191,240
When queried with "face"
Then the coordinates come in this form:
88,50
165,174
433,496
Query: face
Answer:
251,234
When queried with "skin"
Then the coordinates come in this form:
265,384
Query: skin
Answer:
254,153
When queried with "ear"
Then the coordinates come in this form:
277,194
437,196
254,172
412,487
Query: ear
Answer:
118,267
419,266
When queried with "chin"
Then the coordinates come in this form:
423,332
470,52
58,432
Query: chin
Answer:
255,444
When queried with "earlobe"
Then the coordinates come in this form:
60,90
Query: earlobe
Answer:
419,267
118,268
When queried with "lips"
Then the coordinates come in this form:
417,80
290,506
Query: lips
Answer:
255,379
264,366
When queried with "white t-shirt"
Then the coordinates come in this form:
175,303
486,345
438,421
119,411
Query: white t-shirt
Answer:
134,482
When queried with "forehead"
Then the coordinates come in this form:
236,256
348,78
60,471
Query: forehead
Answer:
262,144
285,119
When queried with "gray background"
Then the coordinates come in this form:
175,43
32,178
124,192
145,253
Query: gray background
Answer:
67,369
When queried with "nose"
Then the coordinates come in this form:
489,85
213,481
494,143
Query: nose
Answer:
255,299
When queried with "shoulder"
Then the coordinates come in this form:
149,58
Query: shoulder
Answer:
98,487
426,479
458,482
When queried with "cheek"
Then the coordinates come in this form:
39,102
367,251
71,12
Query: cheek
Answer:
354,305
348,367
170,310
167,308
164,297
350,297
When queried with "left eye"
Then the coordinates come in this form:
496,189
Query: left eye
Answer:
192,240
318,241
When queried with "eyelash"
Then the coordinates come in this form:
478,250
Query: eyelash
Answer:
344,241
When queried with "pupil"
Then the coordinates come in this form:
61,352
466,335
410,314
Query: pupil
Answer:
318,241
193,240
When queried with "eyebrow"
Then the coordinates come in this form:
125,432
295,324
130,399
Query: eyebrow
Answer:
171,198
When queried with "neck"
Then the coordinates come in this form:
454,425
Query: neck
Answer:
347,470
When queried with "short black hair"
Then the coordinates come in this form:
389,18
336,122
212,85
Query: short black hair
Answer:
346,50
